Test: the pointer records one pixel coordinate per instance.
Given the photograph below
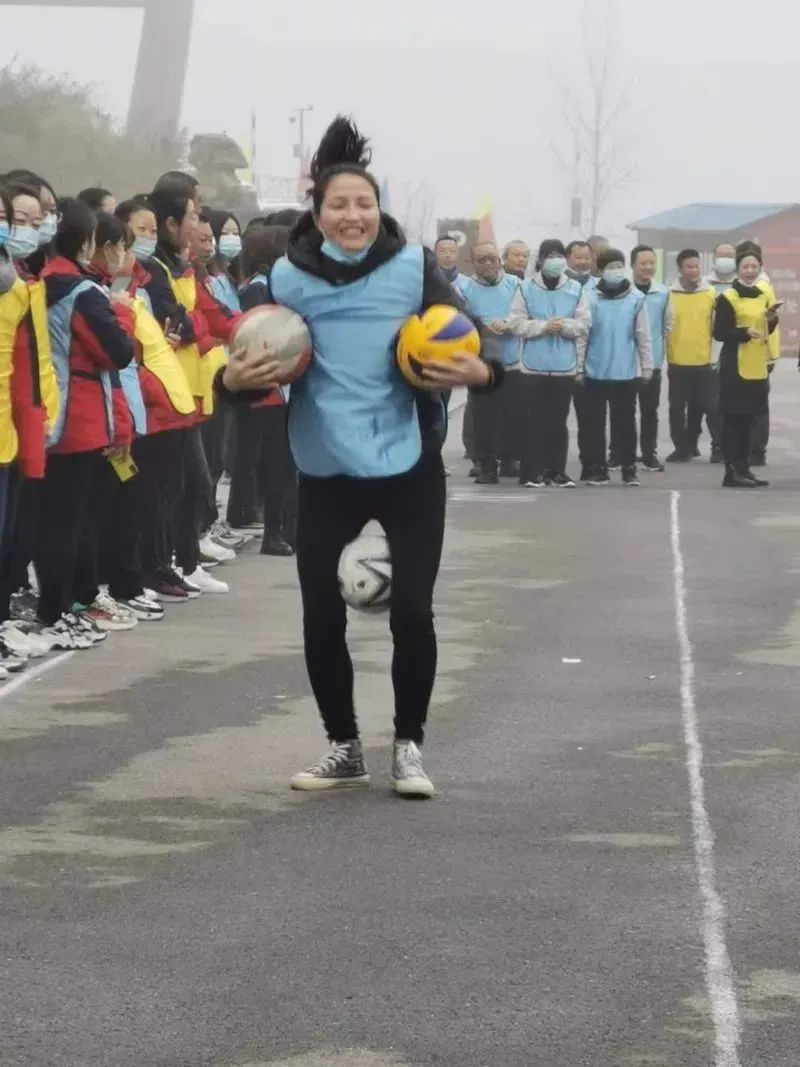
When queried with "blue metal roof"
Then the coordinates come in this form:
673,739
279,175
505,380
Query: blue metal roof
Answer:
714,218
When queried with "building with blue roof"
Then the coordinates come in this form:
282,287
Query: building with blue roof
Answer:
776,227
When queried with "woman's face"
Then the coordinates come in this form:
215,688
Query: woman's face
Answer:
230,227
114,256
47,201
27,212
143,224
749,270
350,216
182,233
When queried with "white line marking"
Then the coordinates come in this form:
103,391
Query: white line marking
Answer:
720,981
31,675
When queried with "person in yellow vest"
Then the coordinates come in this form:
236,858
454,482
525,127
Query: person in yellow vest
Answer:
759,439
745,320
689,351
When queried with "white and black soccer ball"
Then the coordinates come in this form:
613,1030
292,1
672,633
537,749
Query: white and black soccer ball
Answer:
365,573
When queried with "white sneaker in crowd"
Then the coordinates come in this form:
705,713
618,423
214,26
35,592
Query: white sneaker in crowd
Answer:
143,609
22,642
218,553
408,775
110,616
204,583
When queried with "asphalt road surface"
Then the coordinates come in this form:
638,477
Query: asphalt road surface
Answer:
609,876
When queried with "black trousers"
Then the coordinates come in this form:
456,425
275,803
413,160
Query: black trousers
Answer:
759,434
161,460
736,439
468,429
512,417
197,508
488,418
9,496
245,496
546,409
213,432
649,401
332,512
619,398
583,416
66,550
693,395
277,477
121,522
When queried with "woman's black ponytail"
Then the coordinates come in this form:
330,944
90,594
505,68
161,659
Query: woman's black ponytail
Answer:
342,150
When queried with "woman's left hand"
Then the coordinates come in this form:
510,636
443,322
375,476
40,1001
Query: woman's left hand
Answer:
459,371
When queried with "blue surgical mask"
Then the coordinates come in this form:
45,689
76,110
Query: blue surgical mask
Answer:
725,265
230,245
47,230
144,247
333,251
23,241
614,276
4,231
554,267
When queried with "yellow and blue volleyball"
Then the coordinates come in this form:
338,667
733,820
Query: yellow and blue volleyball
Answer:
435,336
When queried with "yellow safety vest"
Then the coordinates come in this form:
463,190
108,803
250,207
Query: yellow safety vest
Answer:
48,385
200,370
13,309
689,341
160,359
775,336
751,314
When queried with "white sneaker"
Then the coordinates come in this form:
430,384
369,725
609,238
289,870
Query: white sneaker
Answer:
145,610
210,548
110,616
204,583
408,775
22,643
67,637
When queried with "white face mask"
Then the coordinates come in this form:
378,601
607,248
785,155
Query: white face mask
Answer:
614,276
725,265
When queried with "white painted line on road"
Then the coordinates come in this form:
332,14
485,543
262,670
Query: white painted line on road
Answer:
31,675
720,982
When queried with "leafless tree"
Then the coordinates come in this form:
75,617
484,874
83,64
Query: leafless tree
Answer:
418,215
597,147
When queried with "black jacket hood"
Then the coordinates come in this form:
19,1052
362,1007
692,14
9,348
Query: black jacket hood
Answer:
305,251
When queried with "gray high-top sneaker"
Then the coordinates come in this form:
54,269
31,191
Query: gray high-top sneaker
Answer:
408,775
340,768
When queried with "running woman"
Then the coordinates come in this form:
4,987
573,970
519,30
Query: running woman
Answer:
367,445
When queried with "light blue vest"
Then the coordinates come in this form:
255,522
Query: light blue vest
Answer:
489,302
59,320
352,412
611,352
132,388
461,282
224,291
550,353
657,302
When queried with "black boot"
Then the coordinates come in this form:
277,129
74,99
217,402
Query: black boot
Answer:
488,474
716,455
736,479
274,545
760,483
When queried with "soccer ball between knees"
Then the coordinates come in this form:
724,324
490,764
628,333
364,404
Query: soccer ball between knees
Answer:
365,573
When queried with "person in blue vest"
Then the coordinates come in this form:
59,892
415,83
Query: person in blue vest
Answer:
446,251
516,259
617,357
367,445
489,294
644,264
92,340
580,262
549,313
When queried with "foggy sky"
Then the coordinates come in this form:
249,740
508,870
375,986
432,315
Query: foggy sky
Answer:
465,95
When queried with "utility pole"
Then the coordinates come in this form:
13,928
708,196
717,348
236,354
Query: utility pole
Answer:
298,118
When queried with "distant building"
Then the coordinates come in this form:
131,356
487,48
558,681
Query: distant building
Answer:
776,227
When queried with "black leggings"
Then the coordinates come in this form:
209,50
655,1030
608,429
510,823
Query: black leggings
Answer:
66,550
332,512
736,437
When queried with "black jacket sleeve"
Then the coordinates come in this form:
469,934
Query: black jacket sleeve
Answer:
436,289
725,328
254,295
165,305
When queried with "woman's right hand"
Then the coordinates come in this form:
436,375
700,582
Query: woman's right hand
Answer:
755,335
251,372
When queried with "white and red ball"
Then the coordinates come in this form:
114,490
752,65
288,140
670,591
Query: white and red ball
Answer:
280,329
